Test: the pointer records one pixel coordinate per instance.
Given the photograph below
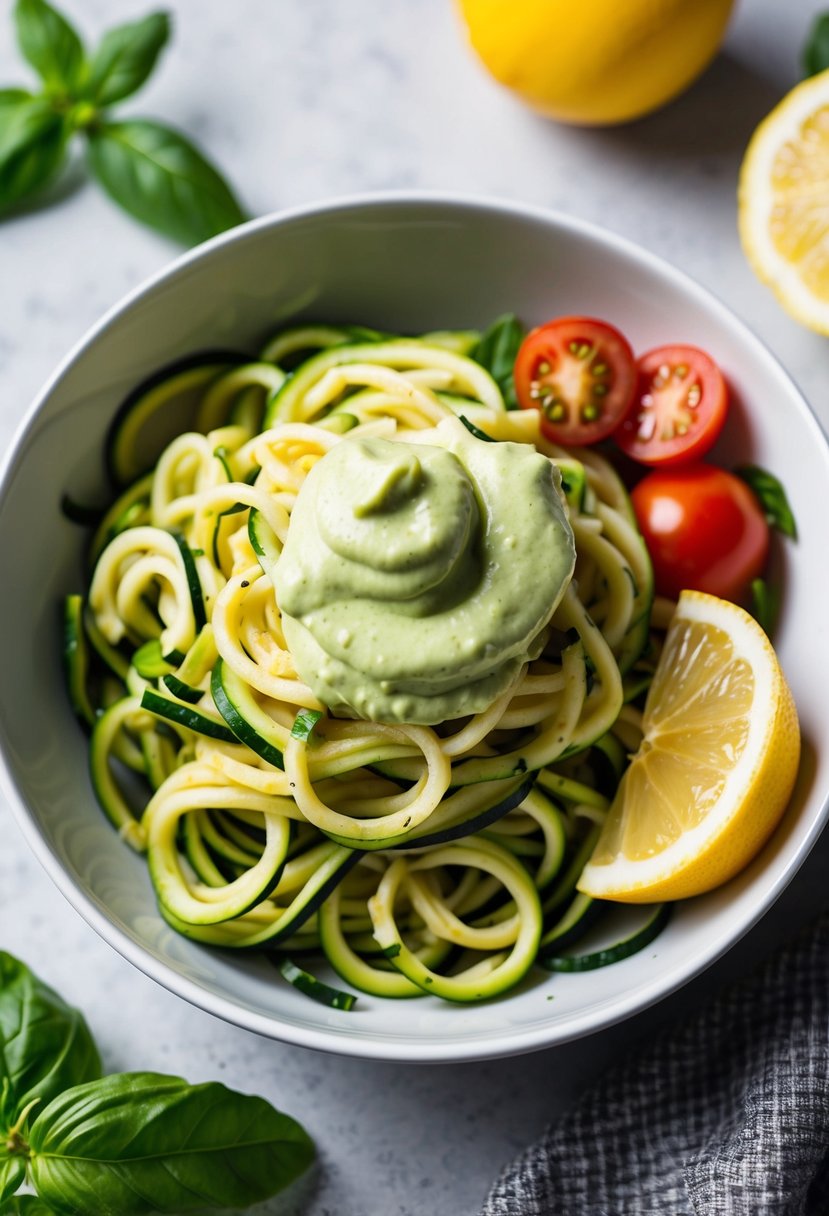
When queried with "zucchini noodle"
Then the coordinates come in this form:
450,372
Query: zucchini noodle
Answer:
418,859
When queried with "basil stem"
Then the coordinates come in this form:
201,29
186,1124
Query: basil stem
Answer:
772,498
496,352
162,179
125,58
45,1045
51,45
138,1143
816,51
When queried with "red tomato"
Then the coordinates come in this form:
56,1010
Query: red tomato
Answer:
678,408
580,374
704,528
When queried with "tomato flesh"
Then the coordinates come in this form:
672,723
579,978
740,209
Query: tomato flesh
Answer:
678,407
580,373
704,529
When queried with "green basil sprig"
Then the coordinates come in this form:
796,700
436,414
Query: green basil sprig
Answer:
151,170
133,1143
496,352
772,498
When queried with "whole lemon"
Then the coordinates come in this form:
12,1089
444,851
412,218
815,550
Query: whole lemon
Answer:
596,62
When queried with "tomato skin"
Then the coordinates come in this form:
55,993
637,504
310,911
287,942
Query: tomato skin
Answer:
704,529
580,374
675,417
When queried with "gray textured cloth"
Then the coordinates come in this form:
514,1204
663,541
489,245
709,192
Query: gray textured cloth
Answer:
726,1114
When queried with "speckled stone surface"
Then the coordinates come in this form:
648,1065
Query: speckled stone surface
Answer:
300,101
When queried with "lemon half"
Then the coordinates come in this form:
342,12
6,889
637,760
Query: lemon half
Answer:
716,767
784,202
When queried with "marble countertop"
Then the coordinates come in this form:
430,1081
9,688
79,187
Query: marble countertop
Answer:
302,101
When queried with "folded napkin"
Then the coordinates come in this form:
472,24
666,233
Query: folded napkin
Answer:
726,1114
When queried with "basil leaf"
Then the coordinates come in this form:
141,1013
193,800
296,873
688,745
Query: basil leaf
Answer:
162,180
125,58
45,1045
10,99
12,1174
765,604
816,51
50,44
26,1205
141,1142
772,498
304,723
496,352
32,147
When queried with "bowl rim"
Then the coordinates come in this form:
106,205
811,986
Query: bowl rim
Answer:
507,1040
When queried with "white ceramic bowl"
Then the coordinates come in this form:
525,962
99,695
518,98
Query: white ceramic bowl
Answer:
408,264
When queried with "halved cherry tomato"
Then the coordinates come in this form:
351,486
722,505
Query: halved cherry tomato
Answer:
580,373
678,408
704,528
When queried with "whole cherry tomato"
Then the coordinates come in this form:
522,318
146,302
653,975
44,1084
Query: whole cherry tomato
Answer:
704,528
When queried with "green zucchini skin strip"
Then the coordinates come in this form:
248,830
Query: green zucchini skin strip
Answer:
356,970
184,692
580,916
395,352
263,540
509,966
467,826
227,692
76,660
253,932
185,715
109,795
239,897
325,994
612,954
193,581
149,399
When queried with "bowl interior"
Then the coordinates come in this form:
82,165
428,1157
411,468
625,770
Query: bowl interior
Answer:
407,265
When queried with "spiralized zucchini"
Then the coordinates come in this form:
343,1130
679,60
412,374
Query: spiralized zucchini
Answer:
418,859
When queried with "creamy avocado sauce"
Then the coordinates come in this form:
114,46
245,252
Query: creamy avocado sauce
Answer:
417,578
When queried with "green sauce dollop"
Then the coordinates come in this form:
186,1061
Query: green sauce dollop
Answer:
416,579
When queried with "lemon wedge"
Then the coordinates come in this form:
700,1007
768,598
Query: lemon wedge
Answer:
784,202
716,766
